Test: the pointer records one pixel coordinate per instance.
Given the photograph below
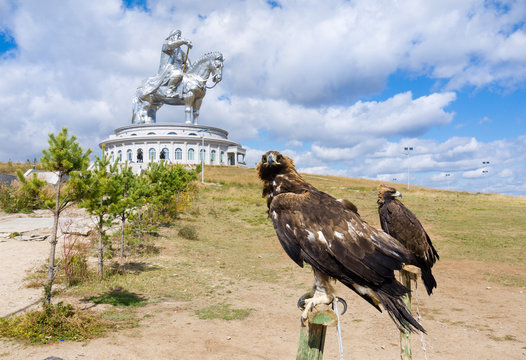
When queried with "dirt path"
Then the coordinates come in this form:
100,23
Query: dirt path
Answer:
467,318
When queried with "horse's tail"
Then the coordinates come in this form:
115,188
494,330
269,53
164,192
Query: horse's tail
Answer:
137,110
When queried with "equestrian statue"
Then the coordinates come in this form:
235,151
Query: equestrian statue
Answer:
178,81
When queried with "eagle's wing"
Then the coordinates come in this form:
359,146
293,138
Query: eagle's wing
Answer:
316,228
402,224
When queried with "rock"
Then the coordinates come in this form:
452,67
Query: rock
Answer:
31,237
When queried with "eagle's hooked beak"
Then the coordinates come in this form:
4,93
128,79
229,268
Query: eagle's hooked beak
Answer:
271,160
398,194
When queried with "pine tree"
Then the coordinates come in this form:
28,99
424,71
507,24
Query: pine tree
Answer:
65,158
129,199
142,195
101,200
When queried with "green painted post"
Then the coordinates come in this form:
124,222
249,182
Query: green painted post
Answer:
312,337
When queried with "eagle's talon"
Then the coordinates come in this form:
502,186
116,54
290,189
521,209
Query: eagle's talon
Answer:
344,303
303,299
301,304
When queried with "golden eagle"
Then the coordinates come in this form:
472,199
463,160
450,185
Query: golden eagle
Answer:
315,228
399,222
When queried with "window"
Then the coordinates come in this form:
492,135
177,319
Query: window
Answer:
172,133
193,134
190,154
119,155
151,133
139,155
112,156
133,134
178,154
165,154
152,155
212,156
202,155
129,155
222,158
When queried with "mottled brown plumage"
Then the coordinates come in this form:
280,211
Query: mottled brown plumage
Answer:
399,222
315,228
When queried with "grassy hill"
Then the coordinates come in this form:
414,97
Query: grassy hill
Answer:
462,225
236,242
235,262
11,167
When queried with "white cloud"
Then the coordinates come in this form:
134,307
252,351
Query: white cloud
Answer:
484,119
303,74
294,143
473,174
506,173
400,115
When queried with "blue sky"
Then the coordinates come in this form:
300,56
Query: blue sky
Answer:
342,87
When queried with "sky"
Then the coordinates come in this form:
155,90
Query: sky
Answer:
341,86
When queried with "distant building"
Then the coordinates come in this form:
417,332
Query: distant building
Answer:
7,179
47,176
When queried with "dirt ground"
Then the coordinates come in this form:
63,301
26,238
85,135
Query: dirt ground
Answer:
468,317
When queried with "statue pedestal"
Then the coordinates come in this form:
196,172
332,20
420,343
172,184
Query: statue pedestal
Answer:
187,144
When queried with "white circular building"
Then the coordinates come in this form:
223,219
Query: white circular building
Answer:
187,144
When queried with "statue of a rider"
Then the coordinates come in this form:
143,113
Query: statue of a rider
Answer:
176,81
174,61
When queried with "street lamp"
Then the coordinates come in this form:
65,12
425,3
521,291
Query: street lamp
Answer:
485,173
448,177
202,154
407,149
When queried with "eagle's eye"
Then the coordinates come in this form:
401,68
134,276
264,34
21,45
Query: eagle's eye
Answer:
264,159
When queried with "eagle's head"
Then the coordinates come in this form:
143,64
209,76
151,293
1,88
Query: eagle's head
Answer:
387,193
273,163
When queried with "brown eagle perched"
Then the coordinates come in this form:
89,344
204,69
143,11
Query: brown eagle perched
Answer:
399,222
315,228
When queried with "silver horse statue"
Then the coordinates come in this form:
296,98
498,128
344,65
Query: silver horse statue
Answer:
189,91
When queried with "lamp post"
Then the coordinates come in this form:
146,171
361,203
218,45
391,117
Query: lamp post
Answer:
485,173
407,149
448,175
202,154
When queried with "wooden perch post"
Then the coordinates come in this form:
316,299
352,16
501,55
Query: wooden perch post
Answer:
312,336
407,274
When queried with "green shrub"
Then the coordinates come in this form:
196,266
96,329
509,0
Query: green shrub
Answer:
53,323
76,270
14,200
188,232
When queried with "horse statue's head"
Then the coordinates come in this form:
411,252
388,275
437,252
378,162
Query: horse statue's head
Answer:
217,64
209,64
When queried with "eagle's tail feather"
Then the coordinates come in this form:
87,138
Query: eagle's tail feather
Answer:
428,279
399,313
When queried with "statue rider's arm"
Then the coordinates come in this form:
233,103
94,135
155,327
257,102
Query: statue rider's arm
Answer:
173,44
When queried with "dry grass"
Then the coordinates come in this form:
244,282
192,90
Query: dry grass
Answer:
237,245
463,225
11,167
